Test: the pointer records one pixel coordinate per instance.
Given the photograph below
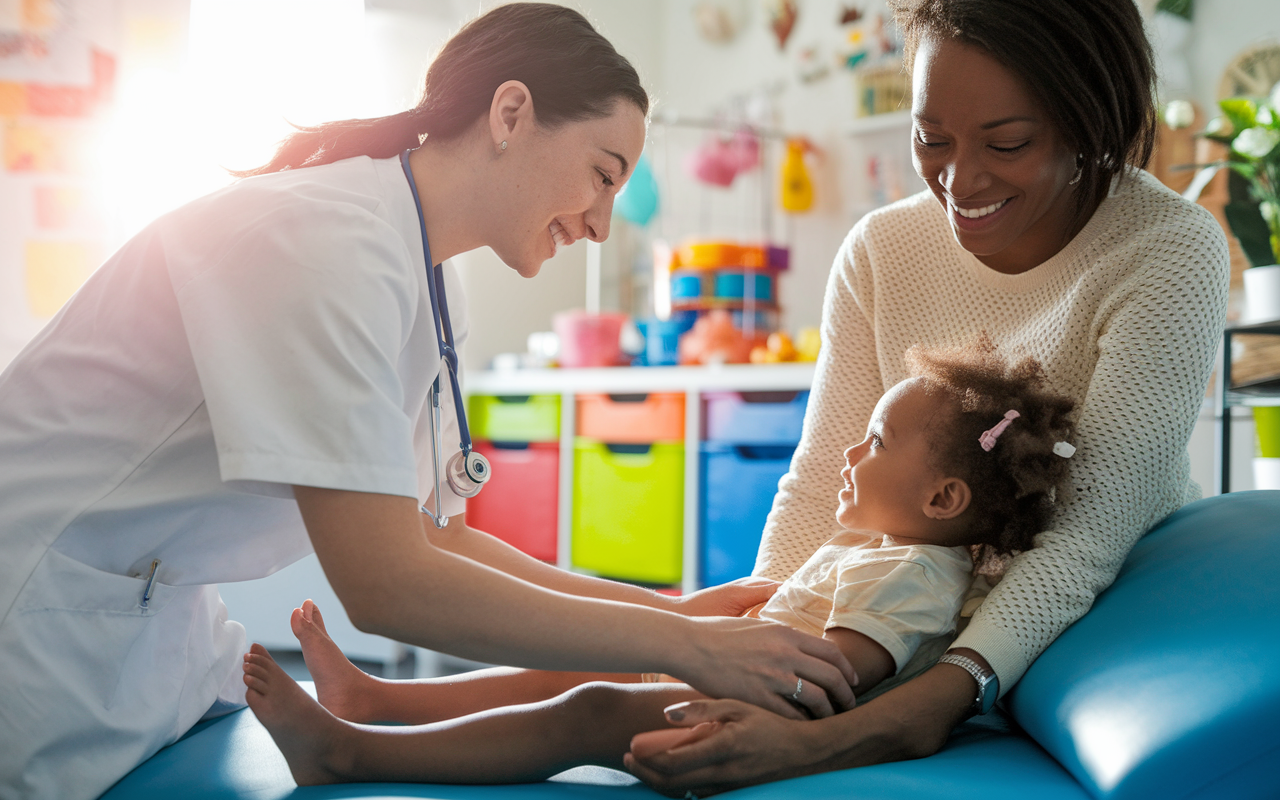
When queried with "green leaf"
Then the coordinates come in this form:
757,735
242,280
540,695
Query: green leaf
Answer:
1241,112
1180,8
1248,226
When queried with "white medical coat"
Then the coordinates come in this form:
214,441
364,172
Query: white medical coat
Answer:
276,332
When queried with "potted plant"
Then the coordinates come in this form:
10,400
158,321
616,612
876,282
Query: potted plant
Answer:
1250,128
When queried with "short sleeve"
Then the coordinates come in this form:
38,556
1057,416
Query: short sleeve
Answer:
894,602
296,330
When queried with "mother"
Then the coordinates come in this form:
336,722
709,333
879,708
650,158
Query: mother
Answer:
1031,122
247,380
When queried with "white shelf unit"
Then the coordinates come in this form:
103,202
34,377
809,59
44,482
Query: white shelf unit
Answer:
691,381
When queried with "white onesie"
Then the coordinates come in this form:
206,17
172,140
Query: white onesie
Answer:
906,597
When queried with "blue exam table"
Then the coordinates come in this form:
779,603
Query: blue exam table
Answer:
1168,688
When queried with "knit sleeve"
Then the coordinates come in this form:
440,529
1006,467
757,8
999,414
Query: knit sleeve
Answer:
1157,336
846,387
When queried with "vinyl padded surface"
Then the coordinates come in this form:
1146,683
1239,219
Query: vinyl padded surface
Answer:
1170,685
233,758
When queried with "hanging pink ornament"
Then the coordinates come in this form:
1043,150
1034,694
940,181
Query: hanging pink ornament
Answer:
714,162
744,151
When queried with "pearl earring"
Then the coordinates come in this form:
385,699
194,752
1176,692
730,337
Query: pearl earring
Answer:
504,145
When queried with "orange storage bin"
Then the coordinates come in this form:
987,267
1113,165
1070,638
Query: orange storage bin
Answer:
519,504
632,418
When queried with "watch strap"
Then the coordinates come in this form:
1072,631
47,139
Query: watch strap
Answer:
987,685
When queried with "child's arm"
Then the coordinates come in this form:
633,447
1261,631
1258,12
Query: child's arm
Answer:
868,657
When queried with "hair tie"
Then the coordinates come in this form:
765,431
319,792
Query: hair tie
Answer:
988,438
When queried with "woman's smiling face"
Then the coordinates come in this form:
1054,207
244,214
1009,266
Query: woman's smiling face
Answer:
991,155
562,185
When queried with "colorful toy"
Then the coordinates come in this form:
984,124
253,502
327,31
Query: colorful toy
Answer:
714,339
638,200
796,186
722,158
808,344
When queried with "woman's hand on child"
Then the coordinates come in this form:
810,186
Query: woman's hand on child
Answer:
717,746
726,600
770,665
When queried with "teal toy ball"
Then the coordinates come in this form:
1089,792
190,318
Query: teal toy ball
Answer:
638,200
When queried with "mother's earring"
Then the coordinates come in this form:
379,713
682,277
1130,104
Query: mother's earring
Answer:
504,144
1079,171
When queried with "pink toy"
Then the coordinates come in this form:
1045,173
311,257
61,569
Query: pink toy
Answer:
715,340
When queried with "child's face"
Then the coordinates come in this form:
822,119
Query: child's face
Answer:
888,478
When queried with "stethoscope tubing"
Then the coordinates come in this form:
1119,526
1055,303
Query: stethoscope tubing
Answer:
440,313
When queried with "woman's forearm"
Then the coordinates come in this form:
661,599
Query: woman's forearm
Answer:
910,721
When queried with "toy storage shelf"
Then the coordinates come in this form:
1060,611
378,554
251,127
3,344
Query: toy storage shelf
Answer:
691,381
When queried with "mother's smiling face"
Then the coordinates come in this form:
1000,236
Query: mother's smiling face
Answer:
990,154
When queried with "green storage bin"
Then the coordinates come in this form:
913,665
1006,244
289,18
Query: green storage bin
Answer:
514,418
628,510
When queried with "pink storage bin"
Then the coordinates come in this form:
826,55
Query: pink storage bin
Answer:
589,340
520,502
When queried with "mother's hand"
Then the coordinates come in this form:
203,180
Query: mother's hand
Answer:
740,745
745,745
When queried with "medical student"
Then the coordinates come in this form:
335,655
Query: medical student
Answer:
251,378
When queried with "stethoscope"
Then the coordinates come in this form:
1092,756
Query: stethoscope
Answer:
468,471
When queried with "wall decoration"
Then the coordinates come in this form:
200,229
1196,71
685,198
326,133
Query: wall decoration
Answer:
1252,73
717,22
58,73
782,19
54,270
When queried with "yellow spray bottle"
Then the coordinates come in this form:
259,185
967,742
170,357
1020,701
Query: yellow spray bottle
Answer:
796,185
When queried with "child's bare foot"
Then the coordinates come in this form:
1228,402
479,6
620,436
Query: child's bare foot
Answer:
308,735
341,686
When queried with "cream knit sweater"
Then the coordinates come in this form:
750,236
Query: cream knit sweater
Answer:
1126,319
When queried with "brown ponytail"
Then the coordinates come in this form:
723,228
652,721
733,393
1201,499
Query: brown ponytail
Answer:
572,72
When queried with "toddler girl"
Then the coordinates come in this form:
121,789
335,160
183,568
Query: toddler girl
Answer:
961,464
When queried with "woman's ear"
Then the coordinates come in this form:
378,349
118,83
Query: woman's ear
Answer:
510,114
949,500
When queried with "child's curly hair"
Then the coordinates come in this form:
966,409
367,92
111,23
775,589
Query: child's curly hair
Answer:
1013,486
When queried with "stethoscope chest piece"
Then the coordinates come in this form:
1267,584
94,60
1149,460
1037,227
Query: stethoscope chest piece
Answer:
467,473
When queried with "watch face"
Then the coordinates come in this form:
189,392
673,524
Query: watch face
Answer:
990,691
1252,73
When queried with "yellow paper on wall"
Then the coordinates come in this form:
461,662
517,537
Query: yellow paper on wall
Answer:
13,99
55,270
32,149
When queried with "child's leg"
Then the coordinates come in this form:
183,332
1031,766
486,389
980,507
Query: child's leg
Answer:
590,724
354,695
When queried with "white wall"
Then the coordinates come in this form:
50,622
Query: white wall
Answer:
1220,30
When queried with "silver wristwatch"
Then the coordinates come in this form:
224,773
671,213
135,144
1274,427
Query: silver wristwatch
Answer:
988,683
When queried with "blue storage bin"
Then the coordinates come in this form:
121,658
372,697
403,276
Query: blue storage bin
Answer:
738,485
754,417
733,286
686,286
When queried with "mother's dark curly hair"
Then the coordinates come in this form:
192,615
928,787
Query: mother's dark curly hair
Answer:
1015,484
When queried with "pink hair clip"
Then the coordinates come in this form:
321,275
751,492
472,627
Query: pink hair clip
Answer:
988,438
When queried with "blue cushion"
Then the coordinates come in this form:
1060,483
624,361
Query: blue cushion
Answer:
1170,685
233,758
